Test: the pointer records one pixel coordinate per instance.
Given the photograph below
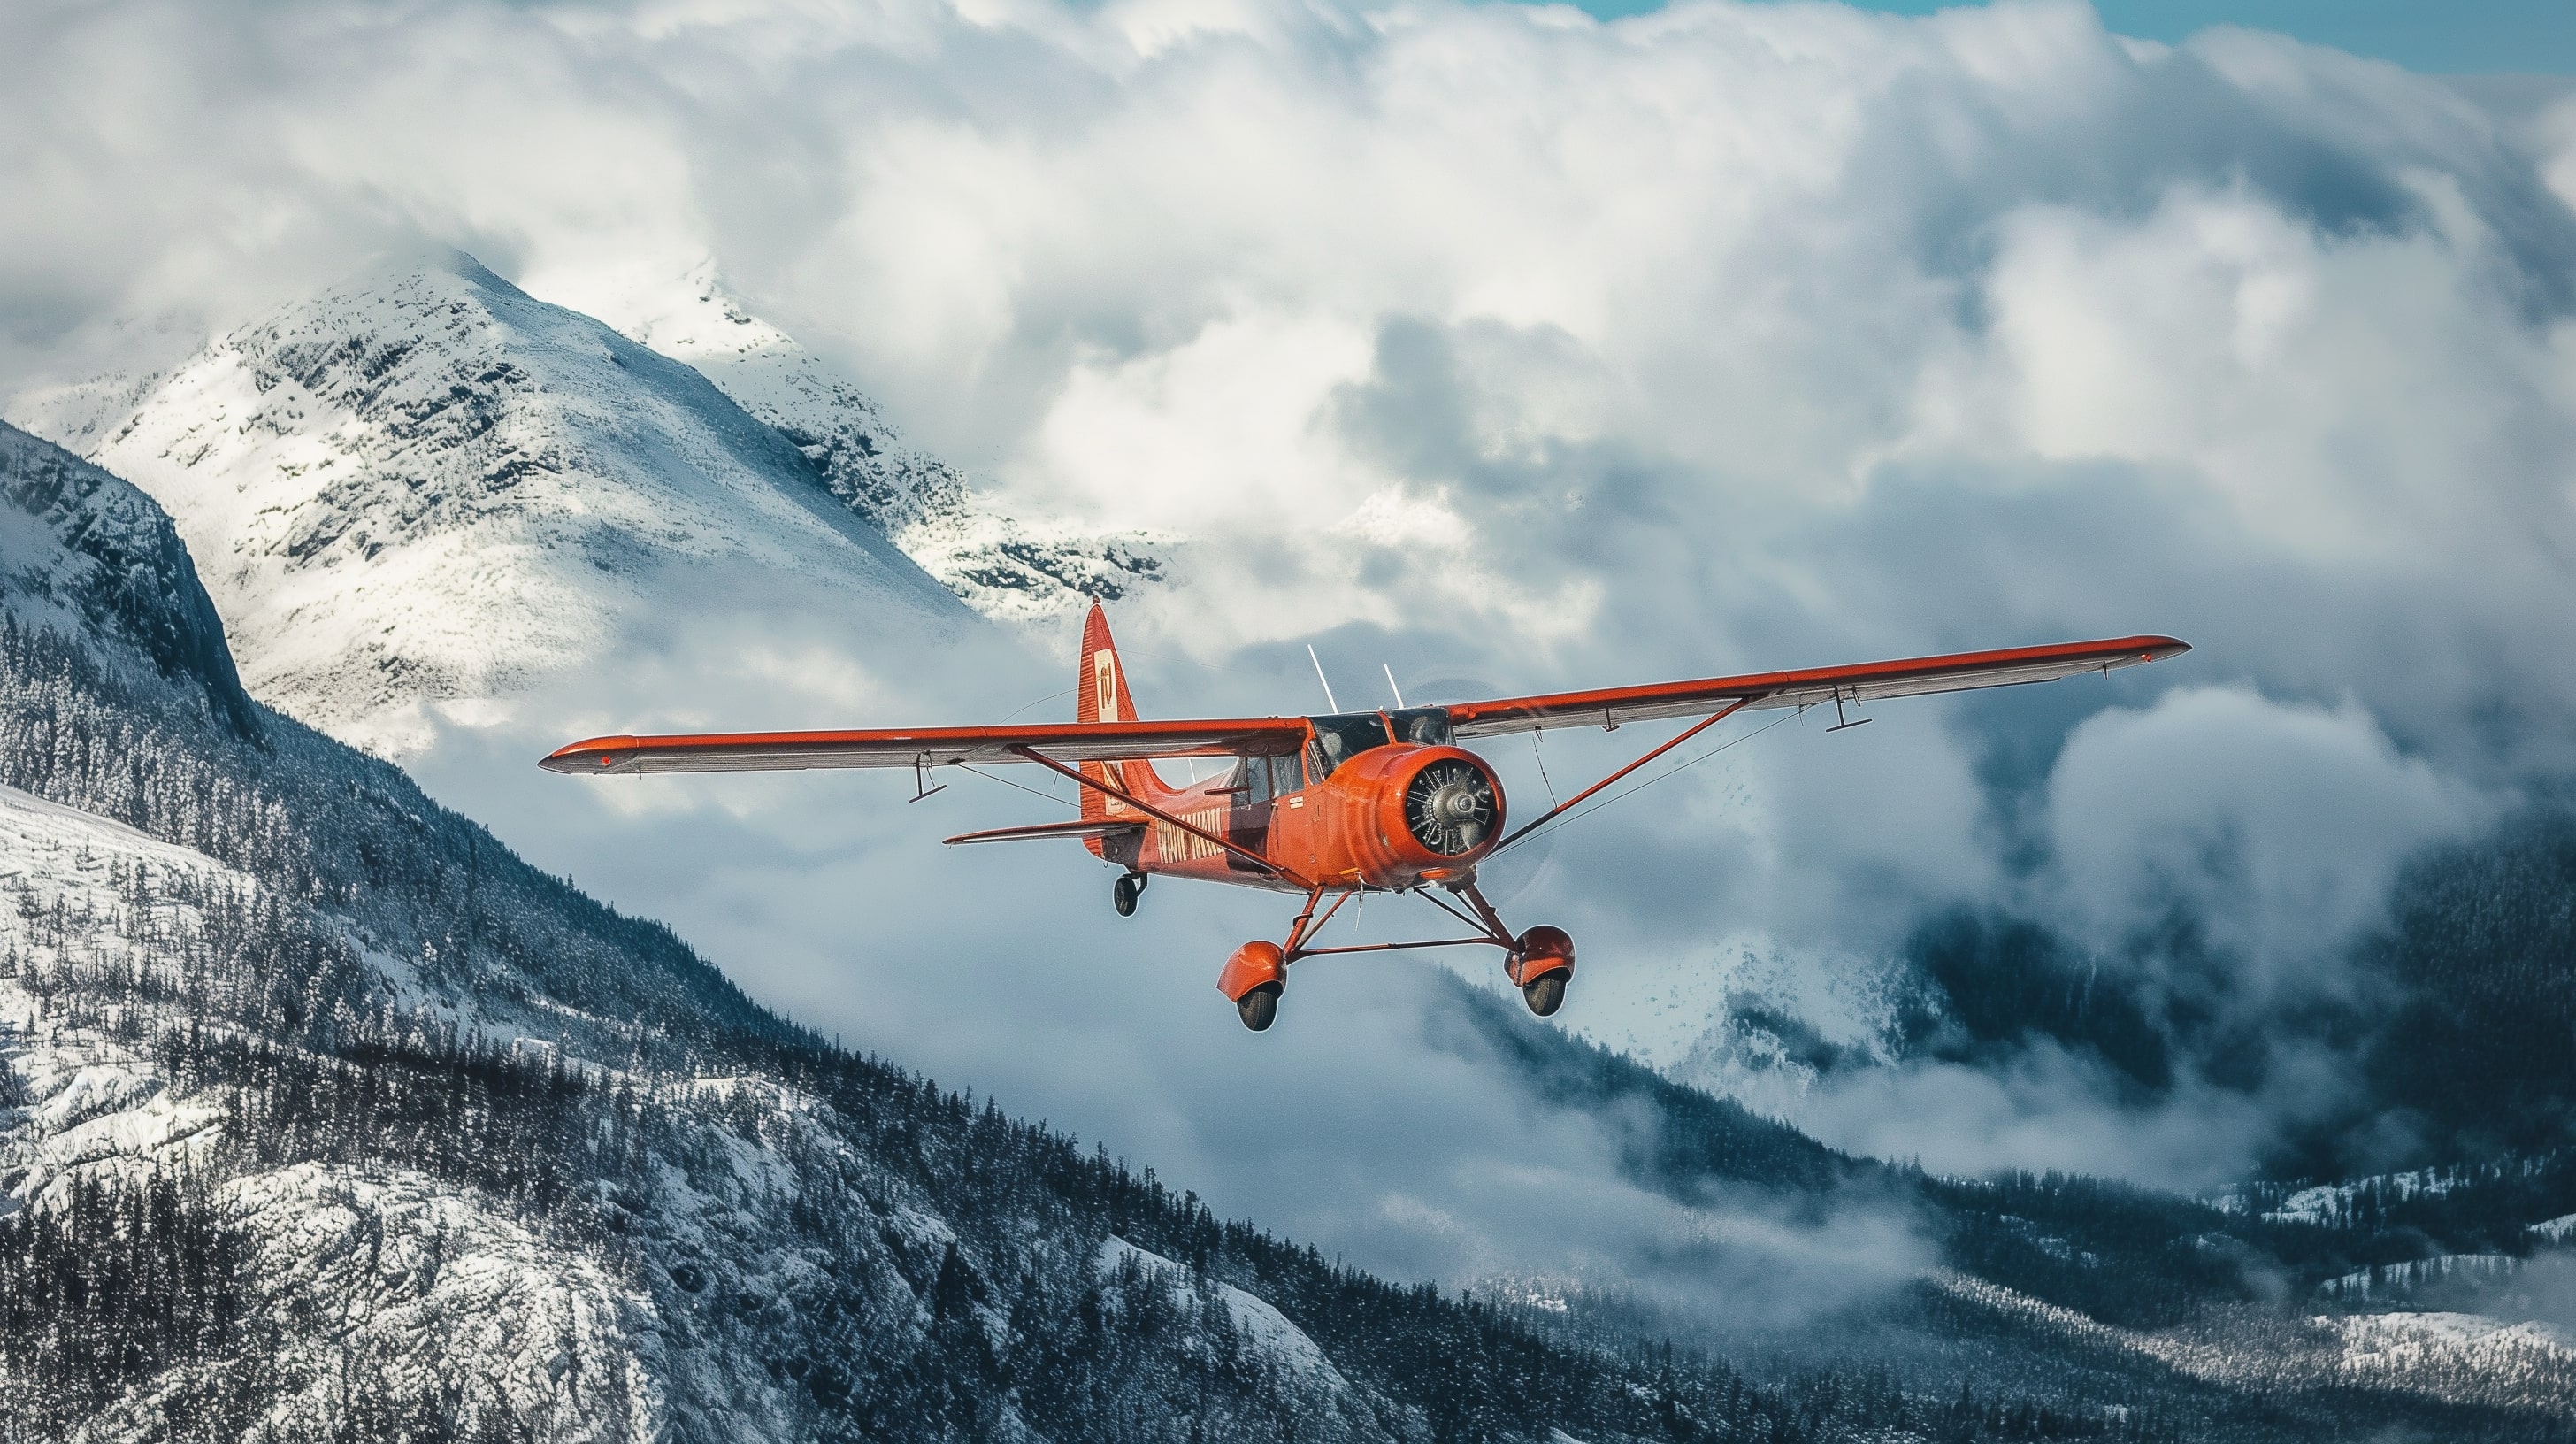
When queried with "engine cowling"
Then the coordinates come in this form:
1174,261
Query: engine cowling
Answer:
1411,814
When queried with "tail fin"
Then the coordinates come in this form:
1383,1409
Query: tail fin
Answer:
1100,692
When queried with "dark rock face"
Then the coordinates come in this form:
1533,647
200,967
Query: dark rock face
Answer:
119,565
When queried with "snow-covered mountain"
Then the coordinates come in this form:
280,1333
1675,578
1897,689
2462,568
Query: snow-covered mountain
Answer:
423,493
1008,568
322,1115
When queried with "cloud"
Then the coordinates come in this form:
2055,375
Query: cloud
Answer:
2278,828
1492,341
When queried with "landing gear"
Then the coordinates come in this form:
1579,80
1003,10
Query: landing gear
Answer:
1545,995
1541,961
1124,893
1254,978
1260,1007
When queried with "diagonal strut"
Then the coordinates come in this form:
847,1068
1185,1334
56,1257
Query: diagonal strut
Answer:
1677,740
1159,815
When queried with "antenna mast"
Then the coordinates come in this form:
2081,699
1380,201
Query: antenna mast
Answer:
1320,677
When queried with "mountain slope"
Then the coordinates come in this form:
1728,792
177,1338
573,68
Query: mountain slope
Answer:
424,492
1005,567
329,1117
321,1102
2233,1315
82,552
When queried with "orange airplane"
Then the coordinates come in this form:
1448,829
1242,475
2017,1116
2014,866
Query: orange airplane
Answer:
1329,806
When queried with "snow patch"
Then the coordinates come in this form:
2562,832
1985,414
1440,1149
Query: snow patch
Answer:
1269,1330
424,492
1010,568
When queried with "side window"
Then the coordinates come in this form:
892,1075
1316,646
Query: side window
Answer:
1428,726
1319,763
1254,778
1286,775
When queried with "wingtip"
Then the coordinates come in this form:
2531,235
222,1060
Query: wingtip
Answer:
591,755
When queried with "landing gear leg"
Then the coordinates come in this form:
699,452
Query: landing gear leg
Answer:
1258,972
1124,893
1539,962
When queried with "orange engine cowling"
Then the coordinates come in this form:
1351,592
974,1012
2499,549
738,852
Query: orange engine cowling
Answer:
1402,815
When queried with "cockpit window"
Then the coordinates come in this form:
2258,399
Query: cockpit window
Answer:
1425,726
1339,739
1342,738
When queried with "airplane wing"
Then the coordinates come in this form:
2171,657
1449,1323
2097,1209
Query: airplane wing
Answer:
928,746
1913,676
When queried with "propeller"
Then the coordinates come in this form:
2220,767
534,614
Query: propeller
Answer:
1449,805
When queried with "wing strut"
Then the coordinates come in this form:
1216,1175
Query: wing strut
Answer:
1159,815
1677,740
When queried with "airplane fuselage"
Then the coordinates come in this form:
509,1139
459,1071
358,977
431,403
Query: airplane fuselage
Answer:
1354,808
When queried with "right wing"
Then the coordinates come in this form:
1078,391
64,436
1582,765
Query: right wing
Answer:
929,746
1909,677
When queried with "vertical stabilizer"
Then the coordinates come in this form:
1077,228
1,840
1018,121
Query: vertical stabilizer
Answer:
1100,692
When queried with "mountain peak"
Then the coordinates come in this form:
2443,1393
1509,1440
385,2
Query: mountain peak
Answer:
1009,567
423,491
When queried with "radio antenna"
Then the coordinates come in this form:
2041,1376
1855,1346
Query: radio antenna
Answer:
1390,685
1320,677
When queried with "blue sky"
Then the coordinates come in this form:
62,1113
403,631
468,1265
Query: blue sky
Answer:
2454,37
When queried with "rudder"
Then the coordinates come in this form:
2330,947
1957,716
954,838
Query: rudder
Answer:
1100,695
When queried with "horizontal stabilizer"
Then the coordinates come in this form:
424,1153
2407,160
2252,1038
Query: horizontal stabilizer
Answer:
1078,827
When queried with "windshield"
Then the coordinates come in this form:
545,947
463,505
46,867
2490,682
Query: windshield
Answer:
1342,738
1339,739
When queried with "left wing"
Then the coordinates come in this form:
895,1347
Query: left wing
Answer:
930,746
1913,676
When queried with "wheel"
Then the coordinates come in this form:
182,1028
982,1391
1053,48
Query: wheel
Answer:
1260,1007
1546,992
1124,892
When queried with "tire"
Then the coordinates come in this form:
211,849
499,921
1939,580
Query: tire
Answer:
1545,993
1259,1008
1124,892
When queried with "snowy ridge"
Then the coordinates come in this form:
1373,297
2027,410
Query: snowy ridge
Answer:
424,492
2323,1203
347,1123
2334,1204
2456,1355
381,1283
1009,568
1267,1330
2398,1278
427,1285
2451,1356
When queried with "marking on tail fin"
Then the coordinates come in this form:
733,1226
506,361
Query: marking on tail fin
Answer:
1104,690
